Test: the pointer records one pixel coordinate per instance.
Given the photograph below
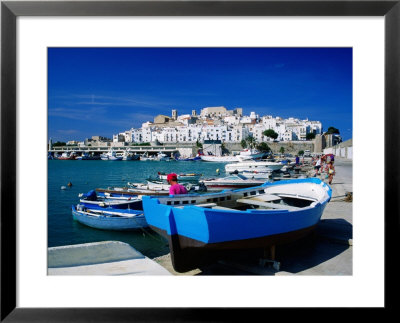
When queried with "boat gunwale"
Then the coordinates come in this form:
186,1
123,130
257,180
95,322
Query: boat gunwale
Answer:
106,214
315,202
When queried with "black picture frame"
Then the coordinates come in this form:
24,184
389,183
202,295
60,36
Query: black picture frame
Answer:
10,10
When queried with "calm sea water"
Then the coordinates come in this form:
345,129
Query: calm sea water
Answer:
90,174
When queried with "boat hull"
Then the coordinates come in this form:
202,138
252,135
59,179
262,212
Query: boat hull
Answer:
120,205
188,254
197,158
251,167
257,175
130,158
110,223
208,233
220,159
132,192
122,192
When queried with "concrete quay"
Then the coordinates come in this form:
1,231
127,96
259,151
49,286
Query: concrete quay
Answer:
326,252
101,258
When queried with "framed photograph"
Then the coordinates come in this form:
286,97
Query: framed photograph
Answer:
56,59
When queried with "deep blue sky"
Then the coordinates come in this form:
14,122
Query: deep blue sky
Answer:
104,91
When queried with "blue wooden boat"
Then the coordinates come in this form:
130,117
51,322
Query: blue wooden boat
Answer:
109,218
95,200
200,228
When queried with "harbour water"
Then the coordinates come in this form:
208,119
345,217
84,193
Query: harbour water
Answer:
85,175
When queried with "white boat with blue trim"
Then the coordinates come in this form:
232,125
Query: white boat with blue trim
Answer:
252,166
109,219
230,182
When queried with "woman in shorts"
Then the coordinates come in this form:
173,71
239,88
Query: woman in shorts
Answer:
331,172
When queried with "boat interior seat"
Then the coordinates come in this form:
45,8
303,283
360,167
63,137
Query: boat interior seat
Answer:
266,197
269,205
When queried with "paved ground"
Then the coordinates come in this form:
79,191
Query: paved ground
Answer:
101,258
327,252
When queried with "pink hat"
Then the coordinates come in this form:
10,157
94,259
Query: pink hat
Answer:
172,177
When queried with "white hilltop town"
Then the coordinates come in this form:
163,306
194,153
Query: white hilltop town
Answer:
218,124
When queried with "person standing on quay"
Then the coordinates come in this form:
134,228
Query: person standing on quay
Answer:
331,172
317,165
175,188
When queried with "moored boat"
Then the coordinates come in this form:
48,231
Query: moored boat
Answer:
250,154
219,159
162,157
251,166
135,156
257,175
87,156
189,158
201,228
67,156
129,191
244,155
146,157
109,219
101,201
161,188
142,190
231,182
127,155
110,155
181,177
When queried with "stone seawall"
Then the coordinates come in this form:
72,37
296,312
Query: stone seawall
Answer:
292,147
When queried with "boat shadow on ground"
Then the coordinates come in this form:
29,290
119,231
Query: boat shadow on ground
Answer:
331,238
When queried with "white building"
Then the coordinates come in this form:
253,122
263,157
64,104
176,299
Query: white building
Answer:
269,122
315,126
257,132
147,134
231,120
118,138
137,136
288,135
126,136
169,135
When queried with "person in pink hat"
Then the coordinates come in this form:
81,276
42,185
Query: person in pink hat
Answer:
175,188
